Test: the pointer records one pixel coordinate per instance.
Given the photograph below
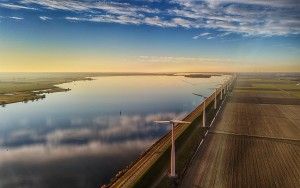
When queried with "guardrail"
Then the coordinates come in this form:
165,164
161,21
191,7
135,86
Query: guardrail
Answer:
133,172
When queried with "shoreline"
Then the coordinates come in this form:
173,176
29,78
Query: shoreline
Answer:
32,87
35,92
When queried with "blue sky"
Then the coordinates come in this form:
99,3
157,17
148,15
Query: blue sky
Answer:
238,34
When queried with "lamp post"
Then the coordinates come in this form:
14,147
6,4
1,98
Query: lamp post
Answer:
172,123
204,106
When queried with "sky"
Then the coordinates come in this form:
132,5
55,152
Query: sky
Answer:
149,35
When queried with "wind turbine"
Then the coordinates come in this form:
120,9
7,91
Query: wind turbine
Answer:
204,106
172,123
226,81
215,103
221,95
227,85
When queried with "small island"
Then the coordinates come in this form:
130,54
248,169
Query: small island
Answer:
198,75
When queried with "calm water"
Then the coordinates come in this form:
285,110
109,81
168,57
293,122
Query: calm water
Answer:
83,137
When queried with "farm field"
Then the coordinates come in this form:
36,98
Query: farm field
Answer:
273,87
260,120
254,142
237,161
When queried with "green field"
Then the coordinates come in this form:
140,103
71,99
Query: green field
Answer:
23,87
287,86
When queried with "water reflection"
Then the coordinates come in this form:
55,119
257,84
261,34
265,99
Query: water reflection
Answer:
80,138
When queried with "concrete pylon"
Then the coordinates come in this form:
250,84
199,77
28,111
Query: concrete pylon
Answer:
221,96
173,172
203,118
215,104
172,123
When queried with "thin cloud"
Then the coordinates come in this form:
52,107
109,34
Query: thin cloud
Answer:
16,18
113,128
201,35
41,153
196,37
204,34
15,7
183,60
264,18
45,18
224,34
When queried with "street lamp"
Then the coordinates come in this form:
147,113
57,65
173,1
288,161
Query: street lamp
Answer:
172,123
204,105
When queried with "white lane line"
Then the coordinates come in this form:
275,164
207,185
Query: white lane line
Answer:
255,136
217,112
198,148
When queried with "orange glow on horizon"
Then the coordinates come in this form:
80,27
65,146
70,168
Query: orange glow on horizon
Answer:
21,62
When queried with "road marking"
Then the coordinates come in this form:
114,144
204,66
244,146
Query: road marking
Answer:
205,134
199,146
255,136
209,127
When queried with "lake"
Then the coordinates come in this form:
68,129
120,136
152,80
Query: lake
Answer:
83,137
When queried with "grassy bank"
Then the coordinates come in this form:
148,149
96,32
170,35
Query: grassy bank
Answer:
32,87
